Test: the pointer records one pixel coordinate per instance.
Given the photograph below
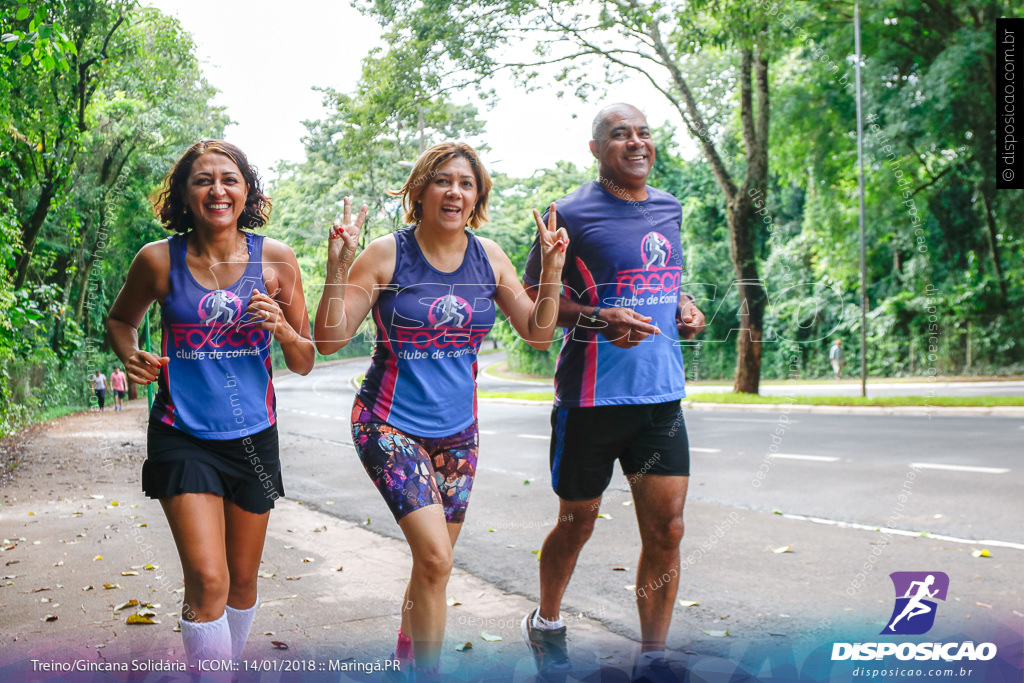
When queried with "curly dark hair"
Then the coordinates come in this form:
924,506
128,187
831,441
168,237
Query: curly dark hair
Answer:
171,205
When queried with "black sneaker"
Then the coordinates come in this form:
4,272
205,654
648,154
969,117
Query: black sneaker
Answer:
550,652
660,670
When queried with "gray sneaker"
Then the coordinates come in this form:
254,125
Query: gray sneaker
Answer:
550,652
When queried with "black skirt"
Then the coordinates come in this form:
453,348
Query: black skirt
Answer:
246,471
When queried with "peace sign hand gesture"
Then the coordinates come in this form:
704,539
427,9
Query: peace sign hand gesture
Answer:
553,241
344,237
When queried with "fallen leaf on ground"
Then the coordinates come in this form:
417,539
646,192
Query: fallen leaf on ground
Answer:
265,574
982,604
688,603
783,549
307,559
97,558
620,569
124,605
132,573
339,569
602,515
452,602
278,645
717,634
293,578
981,553
87,588
110,586
139,619
464,646
50,617
151,567
630,587
489,637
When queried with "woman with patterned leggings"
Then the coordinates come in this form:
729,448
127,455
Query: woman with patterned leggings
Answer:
431,288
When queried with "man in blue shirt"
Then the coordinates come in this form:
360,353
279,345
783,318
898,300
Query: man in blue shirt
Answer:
618,384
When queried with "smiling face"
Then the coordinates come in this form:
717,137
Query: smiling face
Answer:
450,195
215,192
623,148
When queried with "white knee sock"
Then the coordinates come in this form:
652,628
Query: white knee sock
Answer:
206,640
240,621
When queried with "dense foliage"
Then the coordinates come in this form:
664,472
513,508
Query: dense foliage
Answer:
98,97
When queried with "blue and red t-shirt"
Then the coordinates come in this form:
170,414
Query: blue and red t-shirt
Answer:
218,383
430,325
621,254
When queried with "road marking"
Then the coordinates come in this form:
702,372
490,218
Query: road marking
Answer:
487,431
694,449
533,436
906,532
744,419
960,468
795,456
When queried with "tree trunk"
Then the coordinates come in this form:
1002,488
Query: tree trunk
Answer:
993,243
744,222
30,231
741,218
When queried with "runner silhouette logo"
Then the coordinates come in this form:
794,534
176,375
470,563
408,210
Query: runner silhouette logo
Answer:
655,250
220,306
916,592
450,311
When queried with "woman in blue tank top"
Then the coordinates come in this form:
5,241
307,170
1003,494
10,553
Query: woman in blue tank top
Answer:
212,446
431,288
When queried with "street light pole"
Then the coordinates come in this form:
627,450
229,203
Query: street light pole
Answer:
863,247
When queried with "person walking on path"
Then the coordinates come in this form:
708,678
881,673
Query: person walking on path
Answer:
835,358
99,388
119,386
431,288
618,384
225,293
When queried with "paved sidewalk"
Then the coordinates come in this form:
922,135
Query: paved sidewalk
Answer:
74,520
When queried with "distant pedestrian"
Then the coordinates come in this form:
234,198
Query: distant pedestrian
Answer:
835,357
119,385
99,387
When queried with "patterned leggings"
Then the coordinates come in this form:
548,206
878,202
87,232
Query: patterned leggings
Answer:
412,472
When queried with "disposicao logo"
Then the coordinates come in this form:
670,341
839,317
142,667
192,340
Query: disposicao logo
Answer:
916,592
914,614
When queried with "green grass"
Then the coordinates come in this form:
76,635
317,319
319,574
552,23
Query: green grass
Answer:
750,399
522,395
54,412
880,402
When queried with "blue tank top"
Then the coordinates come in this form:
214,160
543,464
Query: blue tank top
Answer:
430,324
620,254
218,383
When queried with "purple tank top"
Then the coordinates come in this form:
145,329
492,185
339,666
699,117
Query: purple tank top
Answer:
429,328
218,383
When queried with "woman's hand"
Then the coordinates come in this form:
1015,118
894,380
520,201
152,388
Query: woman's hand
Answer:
553,241
143,367
344,237
267,314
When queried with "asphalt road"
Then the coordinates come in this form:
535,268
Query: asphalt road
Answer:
955,476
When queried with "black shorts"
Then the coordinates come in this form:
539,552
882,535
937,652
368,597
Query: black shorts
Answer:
586,442
246,471
119,393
